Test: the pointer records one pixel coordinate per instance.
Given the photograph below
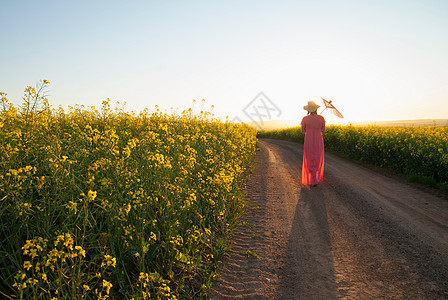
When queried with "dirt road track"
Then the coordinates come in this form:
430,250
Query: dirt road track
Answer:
358,235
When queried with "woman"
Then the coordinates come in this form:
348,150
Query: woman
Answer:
313,126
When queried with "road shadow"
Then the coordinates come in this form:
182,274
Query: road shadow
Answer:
308,271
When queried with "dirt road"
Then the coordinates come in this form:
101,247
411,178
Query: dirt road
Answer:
358,235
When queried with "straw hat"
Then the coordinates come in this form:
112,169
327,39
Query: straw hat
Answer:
311,107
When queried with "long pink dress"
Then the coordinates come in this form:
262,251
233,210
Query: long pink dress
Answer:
313,149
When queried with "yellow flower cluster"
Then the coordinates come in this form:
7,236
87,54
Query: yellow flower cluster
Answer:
44,264
146,282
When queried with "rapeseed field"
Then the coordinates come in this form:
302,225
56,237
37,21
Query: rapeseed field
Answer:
103,203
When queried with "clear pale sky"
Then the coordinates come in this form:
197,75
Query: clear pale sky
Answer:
377,60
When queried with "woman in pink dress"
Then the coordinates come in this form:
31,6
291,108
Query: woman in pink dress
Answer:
313,125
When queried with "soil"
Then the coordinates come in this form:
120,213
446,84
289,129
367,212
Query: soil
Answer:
360,234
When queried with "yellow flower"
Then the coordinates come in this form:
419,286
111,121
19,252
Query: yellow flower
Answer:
109,261
152,237
91,195
128,209
27,265
126,152
107,285
72,206
80,251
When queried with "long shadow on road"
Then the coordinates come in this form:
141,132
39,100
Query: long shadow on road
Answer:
309,257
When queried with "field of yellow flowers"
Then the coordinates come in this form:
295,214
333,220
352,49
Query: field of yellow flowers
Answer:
420,153
98,204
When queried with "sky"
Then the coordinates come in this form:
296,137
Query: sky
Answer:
252,60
